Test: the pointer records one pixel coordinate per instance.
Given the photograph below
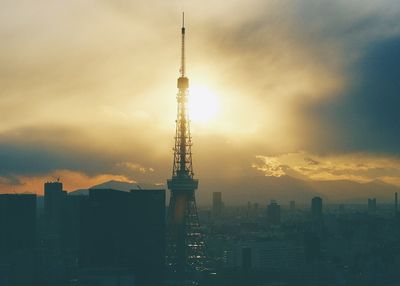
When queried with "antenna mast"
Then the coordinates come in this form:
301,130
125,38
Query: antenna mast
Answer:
183,140
183,68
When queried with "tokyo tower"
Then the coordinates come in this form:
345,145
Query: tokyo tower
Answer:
185,245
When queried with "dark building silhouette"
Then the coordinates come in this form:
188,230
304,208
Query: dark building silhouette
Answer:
396,204
17,222
217,204
372,205
247,259
255,209
71,221
54,203
274,213
292,206
17,238
316,208
125,232
312,248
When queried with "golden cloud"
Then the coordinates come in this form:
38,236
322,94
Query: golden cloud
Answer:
355,167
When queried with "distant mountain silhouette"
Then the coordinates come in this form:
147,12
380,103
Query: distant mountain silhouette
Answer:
262,189
80,192
117,185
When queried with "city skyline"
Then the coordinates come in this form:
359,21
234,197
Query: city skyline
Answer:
87,94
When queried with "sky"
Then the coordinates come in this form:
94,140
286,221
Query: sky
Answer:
306,89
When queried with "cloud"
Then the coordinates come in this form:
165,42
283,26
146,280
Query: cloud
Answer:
364,117
40,150
135,167
359,167
293,61
10,180
271,166
311,161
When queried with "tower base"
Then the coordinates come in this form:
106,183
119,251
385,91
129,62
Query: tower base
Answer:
185,243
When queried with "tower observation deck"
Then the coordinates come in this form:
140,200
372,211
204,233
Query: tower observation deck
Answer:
185,245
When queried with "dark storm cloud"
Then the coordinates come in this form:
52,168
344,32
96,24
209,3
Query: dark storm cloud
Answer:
365,118
23,153
41,150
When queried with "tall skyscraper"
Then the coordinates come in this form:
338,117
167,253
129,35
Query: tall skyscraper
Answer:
246,259
255,209
17,222
292,206
372,205
316,208
124,232
312,245
396,204
54,203
217,204
71,225
17,239
274,213
185,249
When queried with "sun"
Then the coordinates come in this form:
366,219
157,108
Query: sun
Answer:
203,104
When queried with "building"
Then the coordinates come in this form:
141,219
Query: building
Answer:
292,206
372,205
274,213
17,222
269,254
246,262
17,238
316,208
124,231
256,210
107,277
54,203
312,248
217,204
71,220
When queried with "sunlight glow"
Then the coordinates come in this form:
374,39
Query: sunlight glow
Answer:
203,104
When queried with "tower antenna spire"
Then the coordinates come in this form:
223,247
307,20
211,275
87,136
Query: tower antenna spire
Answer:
183,67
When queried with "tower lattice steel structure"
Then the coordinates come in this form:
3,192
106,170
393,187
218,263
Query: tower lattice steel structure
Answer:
185,245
